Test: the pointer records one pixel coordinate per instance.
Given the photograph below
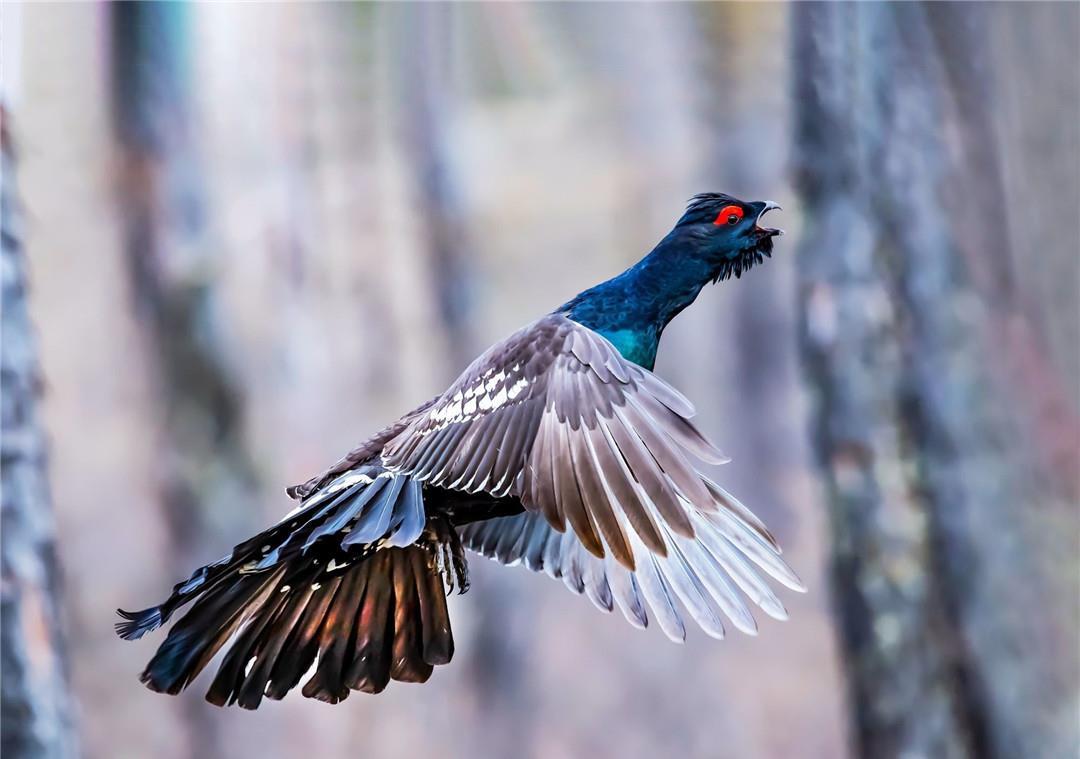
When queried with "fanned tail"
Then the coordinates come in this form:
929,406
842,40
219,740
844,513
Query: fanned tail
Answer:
303,596
383,618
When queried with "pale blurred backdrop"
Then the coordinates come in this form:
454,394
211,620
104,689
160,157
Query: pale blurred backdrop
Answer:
256,233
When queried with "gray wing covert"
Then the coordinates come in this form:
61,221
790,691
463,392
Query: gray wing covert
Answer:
555,416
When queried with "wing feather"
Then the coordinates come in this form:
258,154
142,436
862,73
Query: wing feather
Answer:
624,589
557,418
569,495
676,467
625,491
655,483
706,577
541,475
658,593
679,429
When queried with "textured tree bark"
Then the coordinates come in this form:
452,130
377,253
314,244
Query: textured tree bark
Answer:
206,474
953,564
35,705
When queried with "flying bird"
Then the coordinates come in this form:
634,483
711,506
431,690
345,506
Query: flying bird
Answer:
557,449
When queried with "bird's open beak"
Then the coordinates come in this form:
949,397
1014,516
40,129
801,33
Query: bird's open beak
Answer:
767,206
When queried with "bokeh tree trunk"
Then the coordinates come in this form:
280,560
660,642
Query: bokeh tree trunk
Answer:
427,92
35,705
425,81
205,474
741,113
954,563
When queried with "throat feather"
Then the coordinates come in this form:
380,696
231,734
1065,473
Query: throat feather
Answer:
634,345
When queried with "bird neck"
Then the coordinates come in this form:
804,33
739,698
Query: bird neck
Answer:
632,309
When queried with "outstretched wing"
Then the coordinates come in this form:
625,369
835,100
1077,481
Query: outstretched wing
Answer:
709,574
555,416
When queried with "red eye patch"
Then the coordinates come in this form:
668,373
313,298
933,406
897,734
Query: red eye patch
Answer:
728,215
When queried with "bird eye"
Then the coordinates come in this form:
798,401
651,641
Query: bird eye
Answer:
728,215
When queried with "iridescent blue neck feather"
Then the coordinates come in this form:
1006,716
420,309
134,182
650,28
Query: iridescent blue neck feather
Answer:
632,309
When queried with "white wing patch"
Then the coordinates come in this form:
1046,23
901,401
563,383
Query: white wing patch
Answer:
491,391
519,386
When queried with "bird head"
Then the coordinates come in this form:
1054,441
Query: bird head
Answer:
727,232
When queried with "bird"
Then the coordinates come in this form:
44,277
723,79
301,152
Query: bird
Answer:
557,449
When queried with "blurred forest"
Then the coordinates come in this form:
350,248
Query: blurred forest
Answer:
256,233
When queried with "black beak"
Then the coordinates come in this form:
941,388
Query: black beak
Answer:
766,206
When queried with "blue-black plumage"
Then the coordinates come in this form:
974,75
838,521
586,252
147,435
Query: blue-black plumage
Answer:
558,448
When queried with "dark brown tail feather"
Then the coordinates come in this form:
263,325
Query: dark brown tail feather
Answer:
384,617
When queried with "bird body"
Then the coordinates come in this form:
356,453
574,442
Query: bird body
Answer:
557,449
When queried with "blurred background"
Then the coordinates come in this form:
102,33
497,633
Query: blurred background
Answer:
256,233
